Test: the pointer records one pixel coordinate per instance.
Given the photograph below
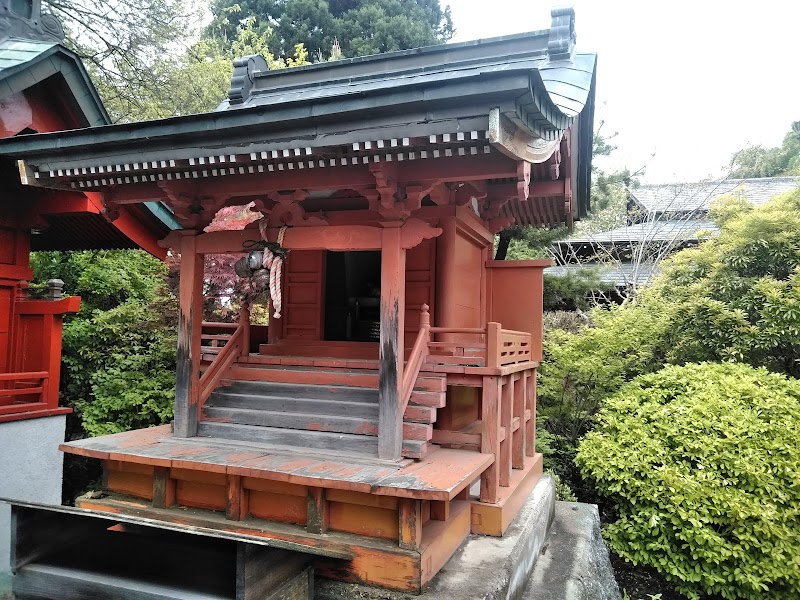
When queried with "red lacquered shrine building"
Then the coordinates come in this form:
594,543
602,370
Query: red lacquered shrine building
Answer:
44,87
402,370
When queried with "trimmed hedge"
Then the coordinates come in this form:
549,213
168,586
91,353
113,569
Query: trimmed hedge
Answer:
702,462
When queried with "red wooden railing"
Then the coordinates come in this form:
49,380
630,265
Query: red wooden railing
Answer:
503,359
417,358
24,392
506,347
236,344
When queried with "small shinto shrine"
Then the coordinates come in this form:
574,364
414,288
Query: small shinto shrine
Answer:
390,410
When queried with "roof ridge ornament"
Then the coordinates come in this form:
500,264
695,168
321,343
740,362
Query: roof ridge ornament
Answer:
244,73
24,19
561,43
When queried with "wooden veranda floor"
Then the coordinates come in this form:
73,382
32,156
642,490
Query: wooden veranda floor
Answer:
439,476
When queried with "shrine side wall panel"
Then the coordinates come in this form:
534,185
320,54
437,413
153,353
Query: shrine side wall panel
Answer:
469,282
420,285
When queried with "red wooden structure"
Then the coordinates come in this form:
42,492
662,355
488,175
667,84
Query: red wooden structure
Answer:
44,87
390,411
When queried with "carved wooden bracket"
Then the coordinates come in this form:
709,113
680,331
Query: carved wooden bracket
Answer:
288,211
467,191
110,210
497,225
523,180
192,208
415,231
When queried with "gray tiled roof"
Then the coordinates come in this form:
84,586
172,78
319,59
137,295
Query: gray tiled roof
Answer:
15,52
691,197
617,274
651,231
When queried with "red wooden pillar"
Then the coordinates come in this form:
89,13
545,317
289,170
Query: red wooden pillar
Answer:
190,325
390,377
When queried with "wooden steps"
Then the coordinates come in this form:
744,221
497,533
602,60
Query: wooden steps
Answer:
295,438
278,405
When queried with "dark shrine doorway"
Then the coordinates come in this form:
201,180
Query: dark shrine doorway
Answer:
352,296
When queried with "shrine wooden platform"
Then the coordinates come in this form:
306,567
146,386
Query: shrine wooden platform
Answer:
400,521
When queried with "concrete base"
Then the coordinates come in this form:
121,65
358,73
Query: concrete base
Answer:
484,568
574,562
31,470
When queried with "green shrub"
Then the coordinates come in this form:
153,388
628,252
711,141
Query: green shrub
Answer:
118,359
702,463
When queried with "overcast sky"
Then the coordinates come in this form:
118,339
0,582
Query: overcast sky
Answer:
691,82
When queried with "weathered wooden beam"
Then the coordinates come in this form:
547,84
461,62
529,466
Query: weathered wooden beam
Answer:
392,314
516,143
530,427
341,237
440,509
506,420
518,437
318,515
163,488
236,507
490,437
190,325
410,515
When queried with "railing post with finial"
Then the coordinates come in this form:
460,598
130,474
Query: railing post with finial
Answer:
425,325
244,323
425,316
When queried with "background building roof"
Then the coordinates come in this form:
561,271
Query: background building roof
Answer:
693,197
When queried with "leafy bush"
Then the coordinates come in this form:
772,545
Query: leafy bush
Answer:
734,297
118,360
579,370
703,466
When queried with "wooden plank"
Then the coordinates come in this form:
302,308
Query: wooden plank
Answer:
439,476
390,376
430,399
420,414
236,508
457,438
303,421
519,434
441,539
163,488
262,572
190,315
417,431
415,449
490,436
410,516
494,519
440,510
317,376
108,511
320,440
362,499
278,507
530,426
506,421
318,516
373,521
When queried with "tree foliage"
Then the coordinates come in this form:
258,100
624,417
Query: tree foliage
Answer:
118,360
757,161
193,81
128,48
734,297
703,465
360,27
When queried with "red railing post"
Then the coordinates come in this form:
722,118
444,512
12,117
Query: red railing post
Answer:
244,323
493,344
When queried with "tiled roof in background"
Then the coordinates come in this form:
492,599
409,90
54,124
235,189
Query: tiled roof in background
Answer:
691,197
